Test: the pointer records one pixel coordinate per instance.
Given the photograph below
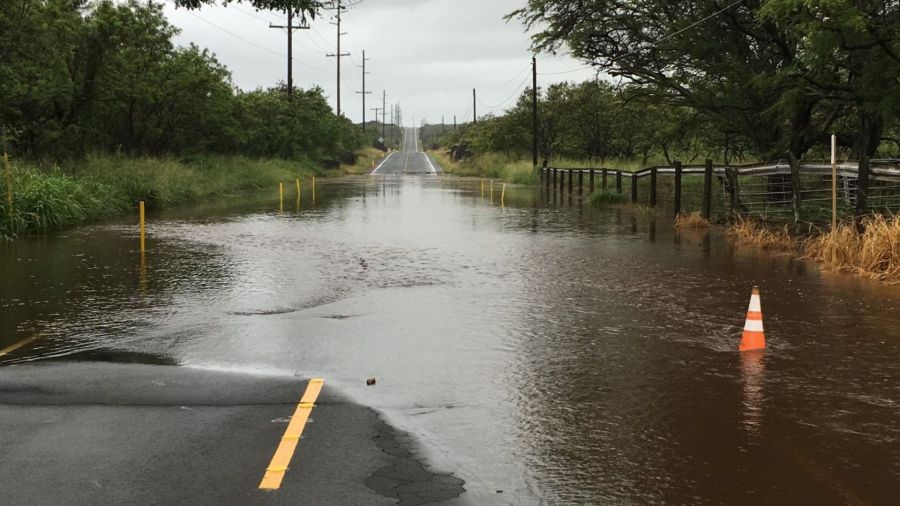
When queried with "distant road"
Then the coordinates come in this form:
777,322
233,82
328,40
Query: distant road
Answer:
410,159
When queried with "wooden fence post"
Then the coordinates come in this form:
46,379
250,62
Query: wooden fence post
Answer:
619,182
732,187
678,172
580,184
547,176
571,176
634,187
603,176
592,181
707,189
554,179
653,187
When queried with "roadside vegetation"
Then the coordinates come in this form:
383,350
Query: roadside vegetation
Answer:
693,220
605,198
103,110
48,199
746,82
874,253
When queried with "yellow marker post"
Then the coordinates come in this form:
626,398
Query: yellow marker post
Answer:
281,461
281,197
482,188
503,196
314,190
492,191
143,230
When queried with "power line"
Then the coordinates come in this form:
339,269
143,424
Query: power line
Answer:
579,69
252,15
210,23
507,83
679,32
492,108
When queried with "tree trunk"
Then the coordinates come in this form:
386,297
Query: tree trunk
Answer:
870,127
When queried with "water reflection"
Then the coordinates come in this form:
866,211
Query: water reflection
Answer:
753,369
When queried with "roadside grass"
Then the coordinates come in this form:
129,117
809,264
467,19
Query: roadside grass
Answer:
48,198
364,162
691,220
875,253
606,198
611,164
489,165
754,233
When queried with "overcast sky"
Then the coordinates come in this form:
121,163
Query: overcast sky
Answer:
427,54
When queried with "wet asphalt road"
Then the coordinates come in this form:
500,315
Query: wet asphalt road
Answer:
410,159
103,433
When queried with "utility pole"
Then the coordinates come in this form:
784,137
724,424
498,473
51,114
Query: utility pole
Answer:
474,107
454,122
534,113
383,111
339,54
442,124
377,110
393,109
364,92
290,47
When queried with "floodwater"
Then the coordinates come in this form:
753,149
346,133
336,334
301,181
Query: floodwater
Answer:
545,352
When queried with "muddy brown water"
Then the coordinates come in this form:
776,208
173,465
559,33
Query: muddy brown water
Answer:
542,351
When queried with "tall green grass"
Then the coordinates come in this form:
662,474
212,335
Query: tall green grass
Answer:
76,193
491,165
605,198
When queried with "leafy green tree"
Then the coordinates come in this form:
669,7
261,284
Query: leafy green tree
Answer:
721,60
81,76
302,8
850,55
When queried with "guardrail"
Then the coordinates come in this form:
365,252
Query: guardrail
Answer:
760,188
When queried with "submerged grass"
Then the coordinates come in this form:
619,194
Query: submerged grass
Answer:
754,233
691,220
875,253
605,198
76,193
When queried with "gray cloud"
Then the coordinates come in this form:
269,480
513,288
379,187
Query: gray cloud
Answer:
427,54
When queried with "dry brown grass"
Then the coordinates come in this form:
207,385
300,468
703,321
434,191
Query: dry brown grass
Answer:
691,220
753,233
874,254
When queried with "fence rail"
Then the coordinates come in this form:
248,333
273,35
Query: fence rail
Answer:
759,188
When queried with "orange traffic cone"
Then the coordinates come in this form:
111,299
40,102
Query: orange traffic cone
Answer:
754,338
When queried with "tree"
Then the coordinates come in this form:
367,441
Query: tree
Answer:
721,60
301,8
850,55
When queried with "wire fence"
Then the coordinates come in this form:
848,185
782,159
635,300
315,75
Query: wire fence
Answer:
763,190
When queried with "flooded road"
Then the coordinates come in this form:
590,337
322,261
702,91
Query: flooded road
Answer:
542,352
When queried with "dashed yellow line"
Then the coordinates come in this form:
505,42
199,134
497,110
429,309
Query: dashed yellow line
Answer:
24,342
281,460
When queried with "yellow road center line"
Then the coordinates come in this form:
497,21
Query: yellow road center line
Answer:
24,342
281,460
